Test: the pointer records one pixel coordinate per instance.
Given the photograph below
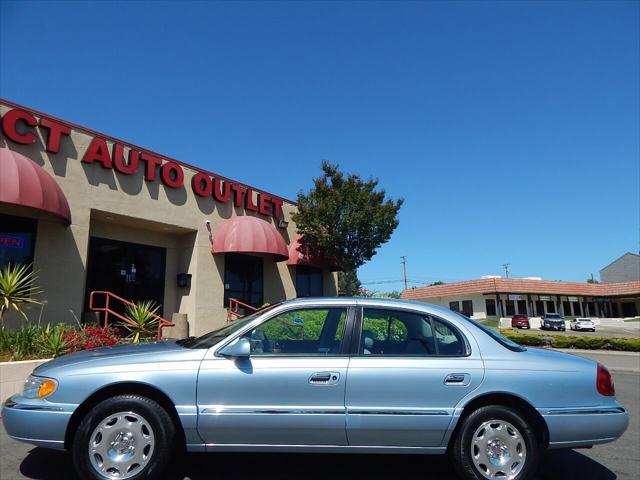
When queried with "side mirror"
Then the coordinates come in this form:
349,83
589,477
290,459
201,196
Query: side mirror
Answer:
237,349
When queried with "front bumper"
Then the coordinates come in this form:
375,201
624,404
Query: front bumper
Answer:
554,326
586,426
36,421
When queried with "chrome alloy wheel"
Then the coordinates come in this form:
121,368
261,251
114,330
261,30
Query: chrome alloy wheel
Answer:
498,450
121,445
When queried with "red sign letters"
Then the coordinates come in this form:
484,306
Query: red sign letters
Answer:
19,127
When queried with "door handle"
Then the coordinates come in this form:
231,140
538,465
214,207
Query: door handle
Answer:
324,378
461,379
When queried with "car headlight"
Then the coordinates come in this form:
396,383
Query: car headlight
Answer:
38,387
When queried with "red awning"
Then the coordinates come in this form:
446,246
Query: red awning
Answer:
23,182
298,258
245,234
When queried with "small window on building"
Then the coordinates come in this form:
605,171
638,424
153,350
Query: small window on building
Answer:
243,279
522,307
455,306
17,240
551,306
490,304
467,308
511,308
308,281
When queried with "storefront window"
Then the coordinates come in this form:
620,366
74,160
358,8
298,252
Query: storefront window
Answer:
467,308
17,240
577,311
511,308
308,281
491,307
551,306
522,307
243,279
566,306
455,306
539,308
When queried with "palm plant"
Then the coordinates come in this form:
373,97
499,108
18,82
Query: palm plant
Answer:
17,288
54,341
143,320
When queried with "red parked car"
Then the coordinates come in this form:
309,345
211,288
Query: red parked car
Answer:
520,321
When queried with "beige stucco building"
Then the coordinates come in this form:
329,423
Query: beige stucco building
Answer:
135,222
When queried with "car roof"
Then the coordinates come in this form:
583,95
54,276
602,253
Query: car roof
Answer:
368,302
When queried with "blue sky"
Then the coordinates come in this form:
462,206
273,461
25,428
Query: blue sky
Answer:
510,128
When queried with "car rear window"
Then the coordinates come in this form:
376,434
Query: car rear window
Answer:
501,339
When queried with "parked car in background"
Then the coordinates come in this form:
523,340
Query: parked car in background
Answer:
520,321
552,321
320,375
582,324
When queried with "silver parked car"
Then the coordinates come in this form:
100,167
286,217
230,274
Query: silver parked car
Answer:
320,375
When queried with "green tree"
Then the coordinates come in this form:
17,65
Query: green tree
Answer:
438,282
346,219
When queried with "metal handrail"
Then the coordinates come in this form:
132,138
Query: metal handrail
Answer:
162,322
234,308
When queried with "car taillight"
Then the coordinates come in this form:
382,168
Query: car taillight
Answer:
604,382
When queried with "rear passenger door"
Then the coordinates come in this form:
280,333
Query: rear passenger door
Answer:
409,372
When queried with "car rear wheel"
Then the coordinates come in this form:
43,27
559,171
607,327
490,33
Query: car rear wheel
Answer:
495,442
126,437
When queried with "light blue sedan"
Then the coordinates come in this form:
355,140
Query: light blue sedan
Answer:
320,375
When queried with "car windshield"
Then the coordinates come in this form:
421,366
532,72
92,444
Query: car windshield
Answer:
501,339
553,316
208,340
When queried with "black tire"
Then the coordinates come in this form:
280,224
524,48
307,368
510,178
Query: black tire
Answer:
461,451
159,422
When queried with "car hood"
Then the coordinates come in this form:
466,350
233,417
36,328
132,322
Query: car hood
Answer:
119,355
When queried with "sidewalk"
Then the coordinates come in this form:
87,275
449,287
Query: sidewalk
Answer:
614,361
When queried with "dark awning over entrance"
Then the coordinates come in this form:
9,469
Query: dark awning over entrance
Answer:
25,183
245,234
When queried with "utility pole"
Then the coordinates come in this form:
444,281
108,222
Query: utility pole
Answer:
404,270
506,267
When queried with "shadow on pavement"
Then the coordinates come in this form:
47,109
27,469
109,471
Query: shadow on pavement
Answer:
43,464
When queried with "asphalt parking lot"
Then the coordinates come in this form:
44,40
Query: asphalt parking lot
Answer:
619,460
604,328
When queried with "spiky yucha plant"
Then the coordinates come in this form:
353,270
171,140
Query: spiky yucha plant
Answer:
17,289
143,320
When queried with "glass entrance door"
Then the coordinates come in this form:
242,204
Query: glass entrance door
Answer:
130,270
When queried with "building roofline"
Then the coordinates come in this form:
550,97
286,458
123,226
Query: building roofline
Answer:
619,258
109,138
521,286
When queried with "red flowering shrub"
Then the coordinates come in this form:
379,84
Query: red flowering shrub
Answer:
91,337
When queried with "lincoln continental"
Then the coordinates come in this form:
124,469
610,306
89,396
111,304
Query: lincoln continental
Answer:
332,375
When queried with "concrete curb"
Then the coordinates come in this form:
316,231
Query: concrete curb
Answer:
597,352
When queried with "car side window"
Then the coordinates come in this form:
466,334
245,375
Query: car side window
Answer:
310,331
399,333
448,341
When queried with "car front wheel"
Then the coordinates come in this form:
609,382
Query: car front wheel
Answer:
128,437
495,442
